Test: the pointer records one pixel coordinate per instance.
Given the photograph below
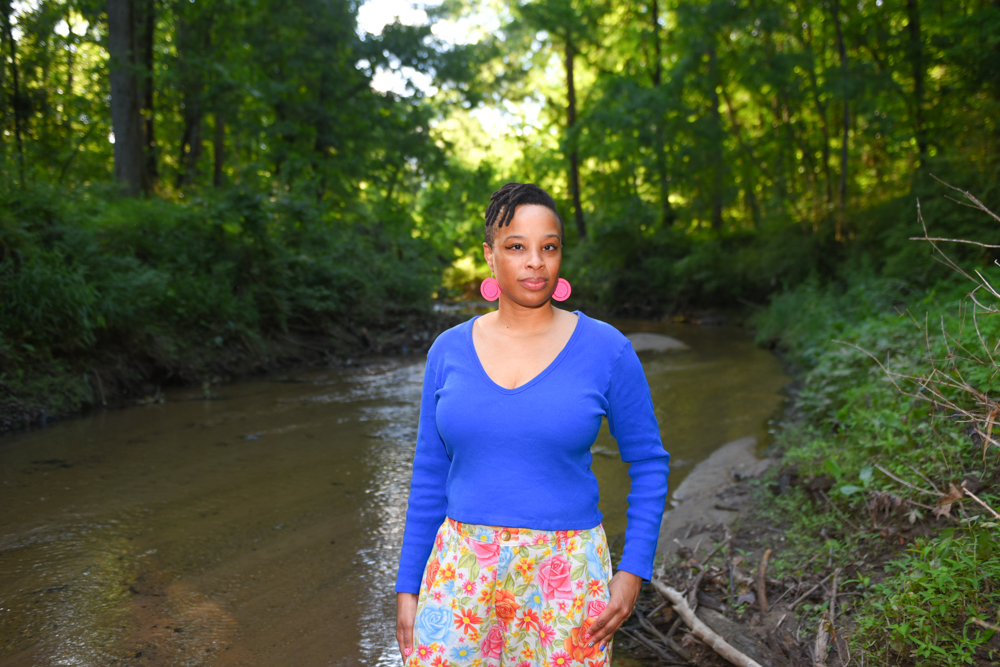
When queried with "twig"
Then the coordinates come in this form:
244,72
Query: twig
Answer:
976,498
647,643
915,488
693,590
933,486
762,584
833,614
934,238
671,644
673,628
729,563
702,631
822,647
809,592
984,624
839,513
787,591
718,547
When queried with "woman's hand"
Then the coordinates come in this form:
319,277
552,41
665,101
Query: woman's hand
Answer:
624,589
406,614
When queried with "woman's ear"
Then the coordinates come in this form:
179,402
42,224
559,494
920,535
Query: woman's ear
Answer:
488,255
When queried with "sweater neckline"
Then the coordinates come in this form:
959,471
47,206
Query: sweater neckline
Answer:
537,378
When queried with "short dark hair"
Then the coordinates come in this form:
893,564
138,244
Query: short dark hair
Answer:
504,203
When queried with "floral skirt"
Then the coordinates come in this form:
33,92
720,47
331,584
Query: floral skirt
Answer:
494,596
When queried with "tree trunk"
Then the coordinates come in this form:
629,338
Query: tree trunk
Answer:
845,68
821,108
146,27
916,54
126,121
718,159
218,148
192,36
68,98
661,158
16,102
574,160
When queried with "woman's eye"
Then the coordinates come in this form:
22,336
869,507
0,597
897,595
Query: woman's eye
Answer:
516,246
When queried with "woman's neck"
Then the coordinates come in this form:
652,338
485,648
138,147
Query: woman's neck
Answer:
515,319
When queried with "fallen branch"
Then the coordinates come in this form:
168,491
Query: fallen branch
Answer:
761,583
702,631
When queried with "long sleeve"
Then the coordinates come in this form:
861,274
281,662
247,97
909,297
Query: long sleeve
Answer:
428,501
633,424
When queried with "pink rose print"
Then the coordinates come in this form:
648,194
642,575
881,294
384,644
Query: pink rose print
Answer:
492,645
488,554
553,575
595,608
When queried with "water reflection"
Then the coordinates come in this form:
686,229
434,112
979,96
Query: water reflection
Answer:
262,527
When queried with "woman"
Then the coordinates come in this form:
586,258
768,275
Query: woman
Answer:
504,558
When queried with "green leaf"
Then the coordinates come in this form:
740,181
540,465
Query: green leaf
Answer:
466,561
866,475
508,583
848,489
832,468
578,572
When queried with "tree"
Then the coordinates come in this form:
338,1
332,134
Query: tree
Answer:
126,117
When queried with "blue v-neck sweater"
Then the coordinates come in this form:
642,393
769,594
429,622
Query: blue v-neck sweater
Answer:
521,457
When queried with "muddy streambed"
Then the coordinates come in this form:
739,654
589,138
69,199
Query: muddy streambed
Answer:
261,525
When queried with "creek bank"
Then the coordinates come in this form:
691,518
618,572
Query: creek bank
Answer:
116,376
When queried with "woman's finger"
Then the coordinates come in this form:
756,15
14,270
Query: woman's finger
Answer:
406,607
610,630
606,624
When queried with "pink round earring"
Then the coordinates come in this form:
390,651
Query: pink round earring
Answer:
490,289
562,290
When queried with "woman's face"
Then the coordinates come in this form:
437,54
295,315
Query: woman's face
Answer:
526,255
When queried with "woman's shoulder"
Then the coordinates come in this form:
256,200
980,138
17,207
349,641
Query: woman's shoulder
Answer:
451,339
602,335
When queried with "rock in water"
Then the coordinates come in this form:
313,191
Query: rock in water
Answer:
652,342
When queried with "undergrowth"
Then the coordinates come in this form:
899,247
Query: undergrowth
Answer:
89,279
878,465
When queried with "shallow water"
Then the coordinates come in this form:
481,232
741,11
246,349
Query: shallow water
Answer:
262,526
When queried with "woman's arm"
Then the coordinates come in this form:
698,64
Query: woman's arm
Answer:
426,508
633,424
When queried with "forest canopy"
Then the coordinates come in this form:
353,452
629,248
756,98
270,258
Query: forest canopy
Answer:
704,152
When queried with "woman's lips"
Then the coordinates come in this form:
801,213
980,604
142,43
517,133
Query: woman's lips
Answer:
534,284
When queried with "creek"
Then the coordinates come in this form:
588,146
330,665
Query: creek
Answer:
260,524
